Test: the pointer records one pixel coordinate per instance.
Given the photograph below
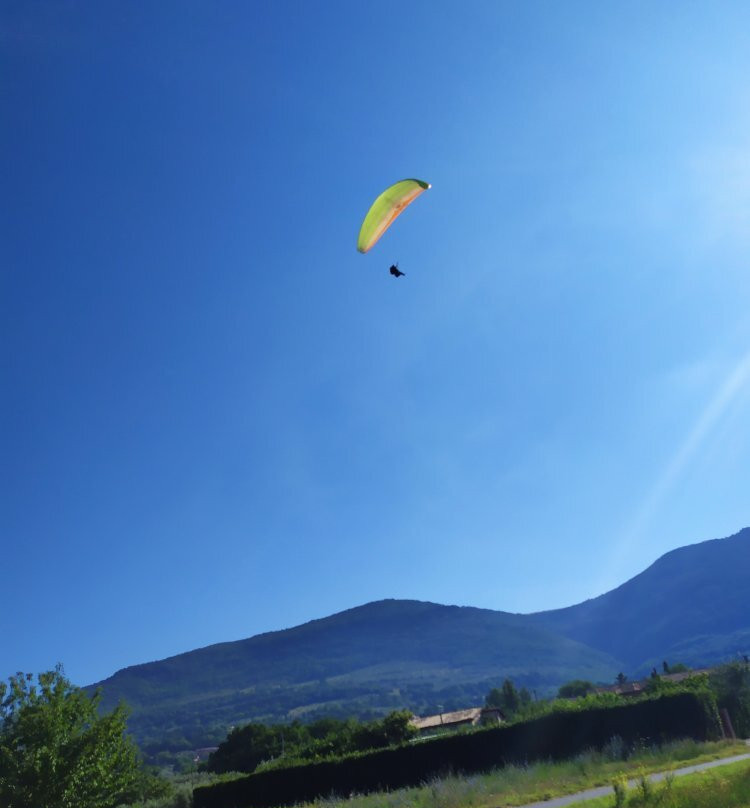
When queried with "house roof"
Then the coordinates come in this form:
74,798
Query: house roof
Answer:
443,719
471,715
633,688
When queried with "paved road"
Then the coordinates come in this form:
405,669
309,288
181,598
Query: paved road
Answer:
603,791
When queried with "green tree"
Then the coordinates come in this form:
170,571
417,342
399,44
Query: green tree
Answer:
393,729
731,684
678,667
247,746
397,727
574,689
506,698
57,751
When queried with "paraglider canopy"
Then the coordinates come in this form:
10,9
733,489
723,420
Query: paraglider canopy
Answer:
386,208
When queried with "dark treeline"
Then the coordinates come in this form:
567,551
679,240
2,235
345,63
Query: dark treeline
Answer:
253,744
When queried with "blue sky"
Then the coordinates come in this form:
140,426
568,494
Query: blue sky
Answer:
219,419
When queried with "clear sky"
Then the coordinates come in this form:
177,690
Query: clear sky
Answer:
219,419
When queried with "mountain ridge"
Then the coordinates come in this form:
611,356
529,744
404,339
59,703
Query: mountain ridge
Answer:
688,606
707,581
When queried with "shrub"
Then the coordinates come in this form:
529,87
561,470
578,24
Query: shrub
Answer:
620,786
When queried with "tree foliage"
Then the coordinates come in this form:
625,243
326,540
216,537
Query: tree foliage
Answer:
677,667
248,746
576,688
731,684
57,751
508,699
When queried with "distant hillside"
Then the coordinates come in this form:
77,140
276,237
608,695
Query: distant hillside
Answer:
366,660
691,605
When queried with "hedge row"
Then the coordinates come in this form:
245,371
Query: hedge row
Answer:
554,736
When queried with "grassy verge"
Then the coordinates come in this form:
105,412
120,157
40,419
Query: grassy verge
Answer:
517,785
727,787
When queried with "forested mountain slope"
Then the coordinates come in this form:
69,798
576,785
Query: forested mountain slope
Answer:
379,656
692,603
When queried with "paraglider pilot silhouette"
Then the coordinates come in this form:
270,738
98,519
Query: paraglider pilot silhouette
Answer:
384,211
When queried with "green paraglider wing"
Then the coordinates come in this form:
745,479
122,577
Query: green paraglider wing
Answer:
386,208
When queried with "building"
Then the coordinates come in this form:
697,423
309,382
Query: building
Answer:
448,722
638,687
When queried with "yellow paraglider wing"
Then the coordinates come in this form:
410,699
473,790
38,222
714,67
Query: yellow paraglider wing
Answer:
386,208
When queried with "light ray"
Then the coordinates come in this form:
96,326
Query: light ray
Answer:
706,423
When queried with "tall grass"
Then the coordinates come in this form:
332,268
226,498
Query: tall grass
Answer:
728,787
